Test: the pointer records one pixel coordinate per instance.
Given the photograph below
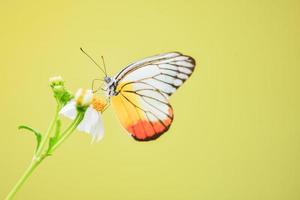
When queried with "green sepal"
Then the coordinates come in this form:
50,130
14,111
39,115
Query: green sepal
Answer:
37,134
81,109
62,95
65,98
52,142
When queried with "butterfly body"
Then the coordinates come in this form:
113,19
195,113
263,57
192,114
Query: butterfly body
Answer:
139,93
110,86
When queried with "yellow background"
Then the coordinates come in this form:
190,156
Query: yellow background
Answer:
236,130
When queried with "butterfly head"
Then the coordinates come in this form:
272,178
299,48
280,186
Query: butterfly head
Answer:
107,79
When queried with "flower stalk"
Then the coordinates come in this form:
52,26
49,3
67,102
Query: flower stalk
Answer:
53,136
66,133
37,159
47,136
34,163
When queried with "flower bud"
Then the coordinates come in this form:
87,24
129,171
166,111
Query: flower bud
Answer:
59,90
56,81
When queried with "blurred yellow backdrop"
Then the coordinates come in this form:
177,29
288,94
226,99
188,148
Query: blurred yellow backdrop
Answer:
236,129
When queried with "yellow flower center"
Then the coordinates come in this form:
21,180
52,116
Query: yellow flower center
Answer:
98,104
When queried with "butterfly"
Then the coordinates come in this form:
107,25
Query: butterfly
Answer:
139,93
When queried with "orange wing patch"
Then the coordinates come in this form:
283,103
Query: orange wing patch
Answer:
147,130
143,120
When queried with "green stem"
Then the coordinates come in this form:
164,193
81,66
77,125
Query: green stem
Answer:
48,133
68,131
24,177
39,158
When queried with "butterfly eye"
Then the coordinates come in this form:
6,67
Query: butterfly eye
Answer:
107,79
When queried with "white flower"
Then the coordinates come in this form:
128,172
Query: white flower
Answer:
92,120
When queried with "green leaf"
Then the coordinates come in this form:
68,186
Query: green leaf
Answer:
37,134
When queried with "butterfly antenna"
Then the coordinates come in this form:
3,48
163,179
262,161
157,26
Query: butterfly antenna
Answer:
93,61
104,65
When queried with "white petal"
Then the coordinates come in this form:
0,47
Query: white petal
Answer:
78,93
89,120
98,130
69,110
87,98
55,79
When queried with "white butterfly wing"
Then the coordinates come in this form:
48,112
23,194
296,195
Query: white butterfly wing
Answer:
143,89
166,72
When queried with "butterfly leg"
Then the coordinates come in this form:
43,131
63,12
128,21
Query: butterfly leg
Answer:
93,84
107,104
